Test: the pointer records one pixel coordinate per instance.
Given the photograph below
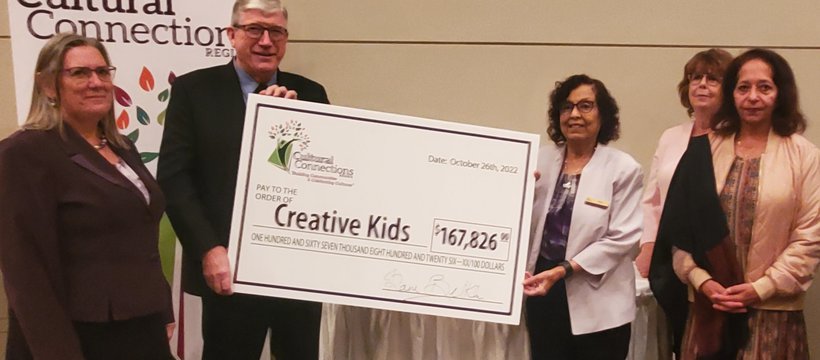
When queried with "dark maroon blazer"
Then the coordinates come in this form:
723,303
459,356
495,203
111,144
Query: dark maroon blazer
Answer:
78,242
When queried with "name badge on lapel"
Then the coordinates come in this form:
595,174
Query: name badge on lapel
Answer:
603,204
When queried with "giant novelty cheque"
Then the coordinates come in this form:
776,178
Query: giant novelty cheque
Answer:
371,209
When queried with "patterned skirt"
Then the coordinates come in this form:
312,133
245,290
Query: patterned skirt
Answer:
773,335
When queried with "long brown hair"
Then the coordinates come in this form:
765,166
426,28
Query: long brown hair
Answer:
44,113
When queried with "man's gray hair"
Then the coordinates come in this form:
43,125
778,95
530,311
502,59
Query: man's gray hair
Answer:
267,6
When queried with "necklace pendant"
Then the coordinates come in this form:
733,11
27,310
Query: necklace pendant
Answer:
103,143
567,185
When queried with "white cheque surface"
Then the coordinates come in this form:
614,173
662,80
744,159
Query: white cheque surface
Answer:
379,210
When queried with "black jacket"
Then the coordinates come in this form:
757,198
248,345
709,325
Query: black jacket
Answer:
199,158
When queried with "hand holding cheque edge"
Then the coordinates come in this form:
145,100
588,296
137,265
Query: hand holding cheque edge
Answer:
217,270
279,91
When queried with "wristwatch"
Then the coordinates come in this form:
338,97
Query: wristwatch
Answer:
567,268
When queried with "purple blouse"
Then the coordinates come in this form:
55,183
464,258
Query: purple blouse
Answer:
559,216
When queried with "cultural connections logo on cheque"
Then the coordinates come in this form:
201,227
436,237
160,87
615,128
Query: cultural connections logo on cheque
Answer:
286,136
290,154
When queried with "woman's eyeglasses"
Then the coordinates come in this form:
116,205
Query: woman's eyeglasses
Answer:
696,78
83,73
584,106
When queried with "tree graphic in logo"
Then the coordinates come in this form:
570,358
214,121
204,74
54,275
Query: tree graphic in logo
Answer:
287,136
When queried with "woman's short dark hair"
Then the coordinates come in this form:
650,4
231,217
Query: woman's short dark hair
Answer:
712,61
607,109
787,118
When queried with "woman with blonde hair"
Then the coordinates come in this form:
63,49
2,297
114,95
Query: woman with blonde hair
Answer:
700,93
80,224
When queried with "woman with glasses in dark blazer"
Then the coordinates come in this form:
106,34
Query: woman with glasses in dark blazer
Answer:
80,224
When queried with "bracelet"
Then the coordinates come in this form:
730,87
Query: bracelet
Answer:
567,268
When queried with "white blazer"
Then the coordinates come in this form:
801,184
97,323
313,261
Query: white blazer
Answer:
603,235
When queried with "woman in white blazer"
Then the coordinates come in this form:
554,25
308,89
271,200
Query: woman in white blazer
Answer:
586,224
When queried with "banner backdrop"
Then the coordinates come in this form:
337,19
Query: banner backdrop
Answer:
150,42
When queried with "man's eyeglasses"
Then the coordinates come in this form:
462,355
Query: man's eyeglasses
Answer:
584,106
695,79
83,73
255,31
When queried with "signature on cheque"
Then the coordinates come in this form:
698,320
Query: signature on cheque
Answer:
435,285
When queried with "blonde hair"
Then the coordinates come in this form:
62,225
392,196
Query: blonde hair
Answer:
267,6
44,113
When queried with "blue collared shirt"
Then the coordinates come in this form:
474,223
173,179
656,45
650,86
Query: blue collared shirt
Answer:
247,83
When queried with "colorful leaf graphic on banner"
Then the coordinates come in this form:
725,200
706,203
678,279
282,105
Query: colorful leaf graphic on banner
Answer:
171,77
123,120
148,156
161,118
163,96
142,116
122,97
134,135
146,79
